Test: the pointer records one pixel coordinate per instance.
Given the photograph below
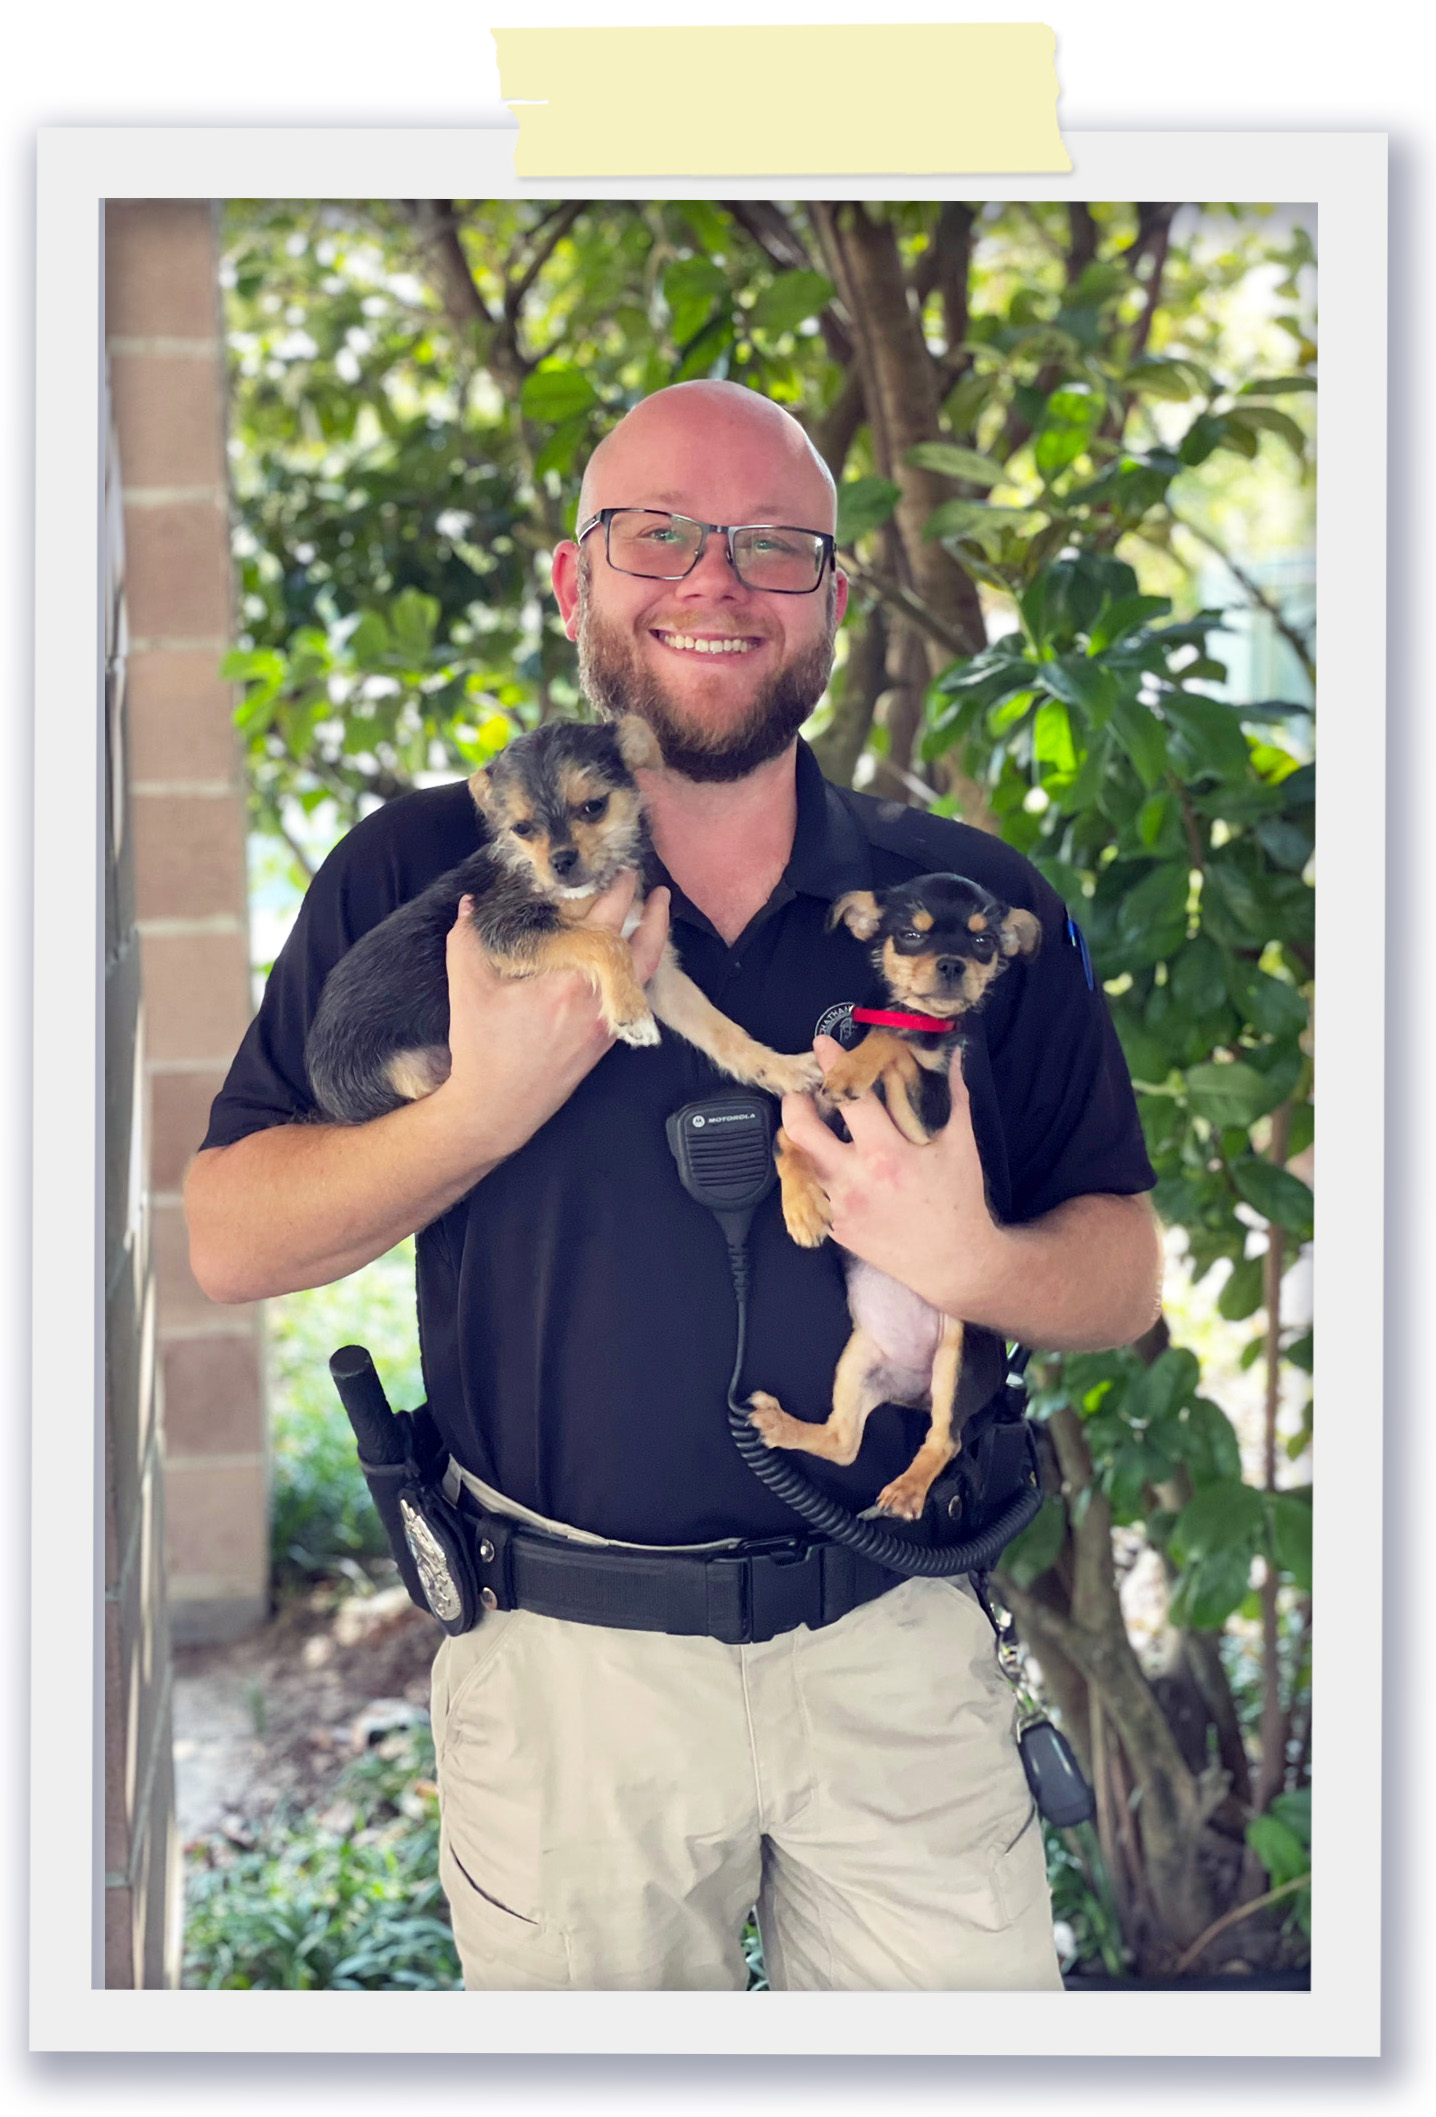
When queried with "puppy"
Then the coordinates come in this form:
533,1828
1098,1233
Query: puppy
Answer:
939,943
564,820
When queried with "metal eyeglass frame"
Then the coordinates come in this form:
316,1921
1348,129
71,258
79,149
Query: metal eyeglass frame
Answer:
727,530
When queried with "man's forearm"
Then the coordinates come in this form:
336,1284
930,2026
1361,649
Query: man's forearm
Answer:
301,1205
1083,1277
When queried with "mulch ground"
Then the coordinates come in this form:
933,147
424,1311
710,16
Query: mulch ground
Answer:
275,1716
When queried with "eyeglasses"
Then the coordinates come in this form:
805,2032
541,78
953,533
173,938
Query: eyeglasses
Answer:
657,546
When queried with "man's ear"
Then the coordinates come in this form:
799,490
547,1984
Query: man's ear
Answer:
1020,934
859,911
637,744
565,585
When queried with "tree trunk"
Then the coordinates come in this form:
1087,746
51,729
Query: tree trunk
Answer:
901,386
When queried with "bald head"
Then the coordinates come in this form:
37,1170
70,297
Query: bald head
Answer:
745,443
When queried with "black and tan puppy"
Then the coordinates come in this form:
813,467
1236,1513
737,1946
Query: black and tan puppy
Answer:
939,943
564,820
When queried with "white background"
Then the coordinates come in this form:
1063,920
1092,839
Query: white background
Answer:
1134,67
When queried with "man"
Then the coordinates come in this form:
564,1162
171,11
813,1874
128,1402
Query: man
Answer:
614,1799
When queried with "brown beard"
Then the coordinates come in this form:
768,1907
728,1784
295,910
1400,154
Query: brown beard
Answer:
615,682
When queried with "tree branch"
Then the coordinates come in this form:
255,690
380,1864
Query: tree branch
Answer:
781,243
1255,594
551,233
912,607
1234,1917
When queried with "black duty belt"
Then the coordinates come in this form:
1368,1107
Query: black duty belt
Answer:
740,1597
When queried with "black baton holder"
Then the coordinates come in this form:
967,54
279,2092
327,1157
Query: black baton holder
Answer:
403,1464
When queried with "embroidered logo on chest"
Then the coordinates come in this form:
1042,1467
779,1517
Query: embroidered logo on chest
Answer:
837,1022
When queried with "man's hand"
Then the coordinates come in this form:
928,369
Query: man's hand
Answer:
918,1213
1084,1276
520,1046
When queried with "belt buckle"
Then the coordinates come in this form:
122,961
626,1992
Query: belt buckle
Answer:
784,1586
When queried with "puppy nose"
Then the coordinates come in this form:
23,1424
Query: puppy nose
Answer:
949,966
563,859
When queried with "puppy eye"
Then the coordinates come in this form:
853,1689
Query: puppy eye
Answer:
590,811
911,933
983,947
523,830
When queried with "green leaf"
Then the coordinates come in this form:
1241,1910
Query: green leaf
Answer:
557,391
1290,1523
1152,918
864,504
1213,1450
1040,1544
1125,615
1278,1847
1199,977
707,354
1079,681
1224,1516
1265,418
560,451
1277,386
985,525
413,617
1173,380
1202,436
1212,732
1160,1390
1242,1294
1069,420
1228,1094
1276,1194
1210,1589
1294,1809
1052,746
1126,1481
1275,1006
954,462
692,288
1143,738
789,300
369,641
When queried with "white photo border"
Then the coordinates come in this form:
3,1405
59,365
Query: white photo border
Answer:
1344,175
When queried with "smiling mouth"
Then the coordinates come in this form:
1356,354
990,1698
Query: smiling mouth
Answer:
707,643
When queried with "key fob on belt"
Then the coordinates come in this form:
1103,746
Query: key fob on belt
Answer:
1058,1787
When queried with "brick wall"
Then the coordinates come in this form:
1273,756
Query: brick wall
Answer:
162,326
142,1862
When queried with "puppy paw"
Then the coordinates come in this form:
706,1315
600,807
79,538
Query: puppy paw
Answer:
639,1030
807,1215
772,1422
904,1499
780,1075
847,1078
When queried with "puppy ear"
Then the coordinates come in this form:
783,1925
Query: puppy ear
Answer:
1020,934
637,744
482,789
859,911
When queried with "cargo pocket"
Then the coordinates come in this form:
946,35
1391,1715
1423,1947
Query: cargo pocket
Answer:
500,1950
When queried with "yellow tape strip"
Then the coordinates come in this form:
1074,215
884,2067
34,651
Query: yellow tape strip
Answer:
907,100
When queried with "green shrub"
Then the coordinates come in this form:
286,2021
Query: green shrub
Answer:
332,1906
321,1517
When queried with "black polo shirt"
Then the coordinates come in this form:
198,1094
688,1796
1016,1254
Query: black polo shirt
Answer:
575,1309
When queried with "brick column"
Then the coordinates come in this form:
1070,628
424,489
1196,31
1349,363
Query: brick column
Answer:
163,334
142,1859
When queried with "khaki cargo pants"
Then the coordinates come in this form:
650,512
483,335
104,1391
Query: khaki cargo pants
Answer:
614,1803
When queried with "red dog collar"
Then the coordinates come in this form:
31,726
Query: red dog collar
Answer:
881,1019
